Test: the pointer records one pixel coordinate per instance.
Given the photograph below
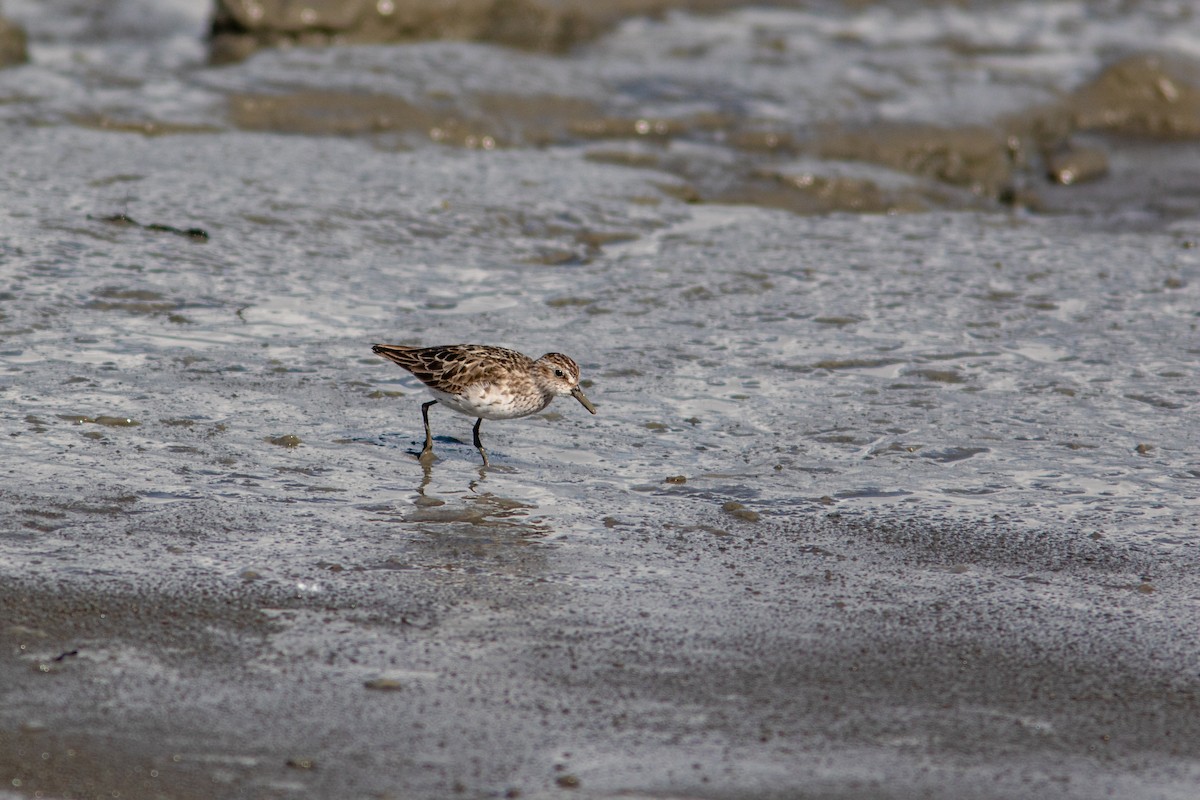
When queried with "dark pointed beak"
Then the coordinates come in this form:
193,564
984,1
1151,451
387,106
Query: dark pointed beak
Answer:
577,393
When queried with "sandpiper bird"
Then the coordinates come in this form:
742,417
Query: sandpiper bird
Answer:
486,382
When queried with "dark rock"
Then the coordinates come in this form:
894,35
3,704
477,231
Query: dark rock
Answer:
13,49
1143,95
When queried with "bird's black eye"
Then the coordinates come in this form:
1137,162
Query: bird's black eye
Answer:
558,373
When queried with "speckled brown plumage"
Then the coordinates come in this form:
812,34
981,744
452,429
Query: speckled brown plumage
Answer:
486,382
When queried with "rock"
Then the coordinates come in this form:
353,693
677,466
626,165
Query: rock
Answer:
1142,95
13,49
287,440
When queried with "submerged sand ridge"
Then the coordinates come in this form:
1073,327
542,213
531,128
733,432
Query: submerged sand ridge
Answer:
239,27
1009,161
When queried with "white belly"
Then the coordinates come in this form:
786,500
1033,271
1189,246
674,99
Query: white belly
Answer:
489,402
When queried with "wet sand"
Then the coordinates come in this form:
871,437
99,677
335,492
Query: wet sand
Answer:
826,658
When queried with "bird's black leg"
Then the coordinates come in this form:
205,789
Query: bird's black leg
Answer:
428,450
479,444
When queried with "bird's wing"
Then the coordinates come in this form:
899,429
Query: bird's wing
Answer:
452,368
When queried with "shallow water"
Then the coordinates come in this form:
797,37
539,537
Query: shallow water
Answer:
932,364
807,423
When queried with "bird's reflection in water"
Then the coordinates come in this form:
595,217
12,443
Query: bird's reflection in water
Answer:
467,531
477,507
